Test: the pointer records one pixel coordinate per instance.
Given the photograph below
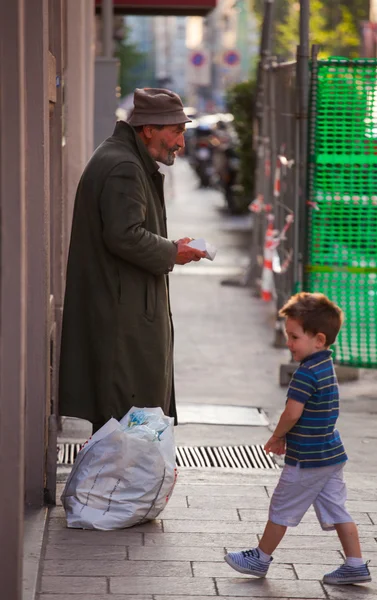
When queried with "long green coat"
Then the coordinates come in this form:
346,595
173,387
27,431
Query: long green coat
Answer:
117,335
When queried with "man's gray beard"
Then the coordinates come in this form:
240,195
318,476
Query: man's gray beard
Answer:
169,160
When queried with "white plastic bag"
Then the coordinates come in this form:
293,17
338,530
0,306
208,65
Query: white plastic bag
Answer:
125,473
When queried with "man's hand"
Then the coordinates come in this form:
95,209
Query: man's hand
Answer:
185,253
275,445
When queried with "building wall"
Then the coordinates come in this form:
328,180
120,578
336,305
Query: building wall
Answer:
171,53
41,128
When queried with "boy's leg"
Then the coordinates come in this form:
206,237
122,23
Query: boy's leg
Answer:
288,504
349,538
332,514
272,536
354,569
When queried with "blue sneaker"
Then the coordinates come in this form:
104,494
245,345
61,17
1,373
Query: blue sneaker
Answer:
248,562
345,575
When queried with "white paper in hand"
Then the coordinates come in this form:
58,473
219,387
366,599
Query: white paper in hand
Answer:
201,244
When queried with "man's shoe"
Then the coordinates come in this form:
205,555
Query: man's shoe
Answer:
248,562
345,575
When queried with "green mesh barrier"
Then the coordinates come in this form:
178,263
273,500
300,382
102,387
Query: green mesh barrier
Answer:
342,220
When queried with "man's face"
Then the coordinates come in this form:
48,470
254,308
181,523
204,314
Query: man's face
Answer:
163,144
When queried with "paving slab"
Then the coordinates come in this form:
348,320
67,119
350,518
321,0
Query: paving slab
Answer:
90,597
241,527
252,490
194,540
200,514
244,501
93,552
124,537
257,528
117,568
327,542
218,435
230,478
269,588
206,598
34,528
164,586
74,585
171,553
216,414
361,506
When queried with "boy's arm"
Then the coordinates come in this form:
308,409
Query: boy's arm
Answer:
301,388
292,413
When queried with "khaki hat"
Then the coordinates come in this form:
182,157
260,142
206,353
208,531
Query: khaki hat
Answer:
157,106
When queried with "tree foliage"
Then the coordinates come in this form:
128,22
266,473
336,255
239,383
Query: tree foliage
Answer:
334,25
240,102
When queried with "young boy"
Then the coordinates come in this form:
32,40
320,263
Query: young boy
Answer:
314,453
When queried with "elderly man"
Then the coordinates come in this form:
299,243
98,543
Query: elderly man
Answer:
117,336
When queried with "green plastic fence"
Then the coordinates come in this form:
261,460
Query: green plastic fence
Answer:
342,221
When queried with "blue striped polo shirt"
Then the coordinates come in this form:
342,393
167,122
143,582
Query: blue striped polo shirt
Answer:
314,441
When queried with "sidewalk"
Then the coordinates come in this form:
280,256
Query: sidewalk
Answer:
224,356
180,556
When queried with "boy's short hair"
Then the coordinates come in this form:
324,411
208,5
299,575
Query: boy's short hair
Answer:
315,313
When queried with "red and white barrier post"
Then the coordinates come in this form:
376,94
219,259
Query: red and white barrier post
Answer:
267,273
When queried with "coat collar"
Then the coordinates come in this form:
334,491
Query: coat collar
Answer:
123,131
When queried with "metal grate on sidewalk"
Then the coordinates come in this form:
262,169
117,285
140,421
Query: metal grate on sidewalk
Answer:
233,457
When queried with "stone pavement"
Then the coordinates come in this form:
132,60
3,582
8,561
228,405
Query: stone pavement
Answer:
224,355
180,555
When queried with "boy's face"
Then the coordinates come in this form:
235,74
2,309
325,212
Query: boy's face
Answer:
302,344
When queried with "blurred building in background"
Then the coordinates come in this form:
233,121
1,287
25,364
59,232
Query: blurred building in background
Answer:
141,33
223,47
171,53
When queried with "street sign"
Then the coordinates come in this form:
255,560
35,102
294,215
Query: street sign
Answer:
231,58
198,67
198,59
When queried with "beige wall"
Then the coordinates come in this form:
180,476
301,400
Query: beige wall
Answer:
12,294
38,177
79,94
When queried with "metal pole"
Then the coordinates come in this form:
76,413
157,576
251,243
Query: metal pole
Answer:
302,143
107,24
264,53
261,129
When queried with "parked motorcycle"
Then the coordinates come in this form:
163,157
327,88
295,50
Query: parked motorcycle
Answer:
226,162
202,153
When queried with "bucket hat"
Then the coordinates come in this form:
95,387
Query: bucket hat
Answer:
157,106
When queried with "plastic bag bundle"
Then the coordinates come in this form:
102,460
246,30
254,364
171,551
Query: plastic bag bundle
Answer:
125,474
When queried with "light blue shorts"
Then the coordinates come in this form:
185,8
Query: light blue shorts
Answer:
299,489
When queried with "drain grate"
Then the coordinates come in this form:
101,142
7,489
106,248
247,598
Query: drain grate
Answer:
234,457
67,453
